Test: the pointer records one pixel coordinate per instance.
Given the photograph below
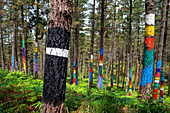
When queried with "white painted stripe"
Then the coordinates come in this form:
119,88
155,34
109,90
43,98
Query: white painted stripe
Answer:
57,52
91,56
161,88
100,64
156,81
150,19
36,45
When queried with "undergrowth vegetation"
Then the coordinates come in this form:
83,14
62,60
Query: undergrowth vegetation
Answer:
22,93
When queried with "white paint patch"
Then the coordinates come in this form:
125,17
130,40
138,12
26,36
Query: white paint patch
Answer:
150,19
57,52
91,56
100,64
161,88
156,81
36,45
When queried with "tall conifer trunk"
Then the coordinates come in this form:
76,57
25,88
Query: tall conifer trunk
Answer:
148,58
162,45
92,44
130,52
2,50
56,59
100,76
23,40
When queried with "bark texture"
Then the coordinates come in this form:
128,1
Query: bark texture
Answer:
55,72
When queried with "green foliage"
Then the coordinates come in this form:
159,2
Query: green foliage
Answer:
23,93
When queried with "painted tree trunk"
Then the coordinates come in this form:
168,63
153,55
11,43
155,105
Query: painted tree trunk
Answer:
100,76
148,58
164,53
56,59
23,40
36,42
13,43
130,52
159,62
92,44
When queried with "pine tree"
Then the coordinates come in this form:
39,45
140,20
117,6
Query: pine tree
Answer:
56,59
147,73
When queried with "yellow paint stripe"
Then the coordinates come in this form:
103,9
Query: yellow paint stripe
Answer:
149,30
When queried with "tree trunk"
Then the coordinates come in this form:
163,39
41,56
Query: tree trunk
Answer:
124,71
127,72
76,43
82,70
36,42
169,82
13,43
92,44
147,74
164,53
23,40
2,50
56,59
71,61
112,49
137,66
130,52
118,74
140,67
100,76
108,71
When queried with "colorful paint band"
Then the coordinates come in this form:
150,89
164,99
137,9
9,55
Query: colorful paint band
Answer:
74,73
157,77
148,58
130,82
91,70
36,50
13,61
112,83
100,76
150,19
162,86
57,52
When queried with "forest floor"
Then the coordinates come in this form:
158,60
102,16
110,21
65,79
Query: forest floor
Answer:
22,93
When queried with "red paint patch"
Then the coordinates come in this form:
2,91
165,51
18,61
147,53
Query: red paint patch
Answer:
150,43
155,91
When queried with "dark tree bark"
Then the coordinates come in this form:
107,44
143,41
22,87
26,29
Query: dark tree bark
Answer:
2,50
56,59
147,73
92,44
